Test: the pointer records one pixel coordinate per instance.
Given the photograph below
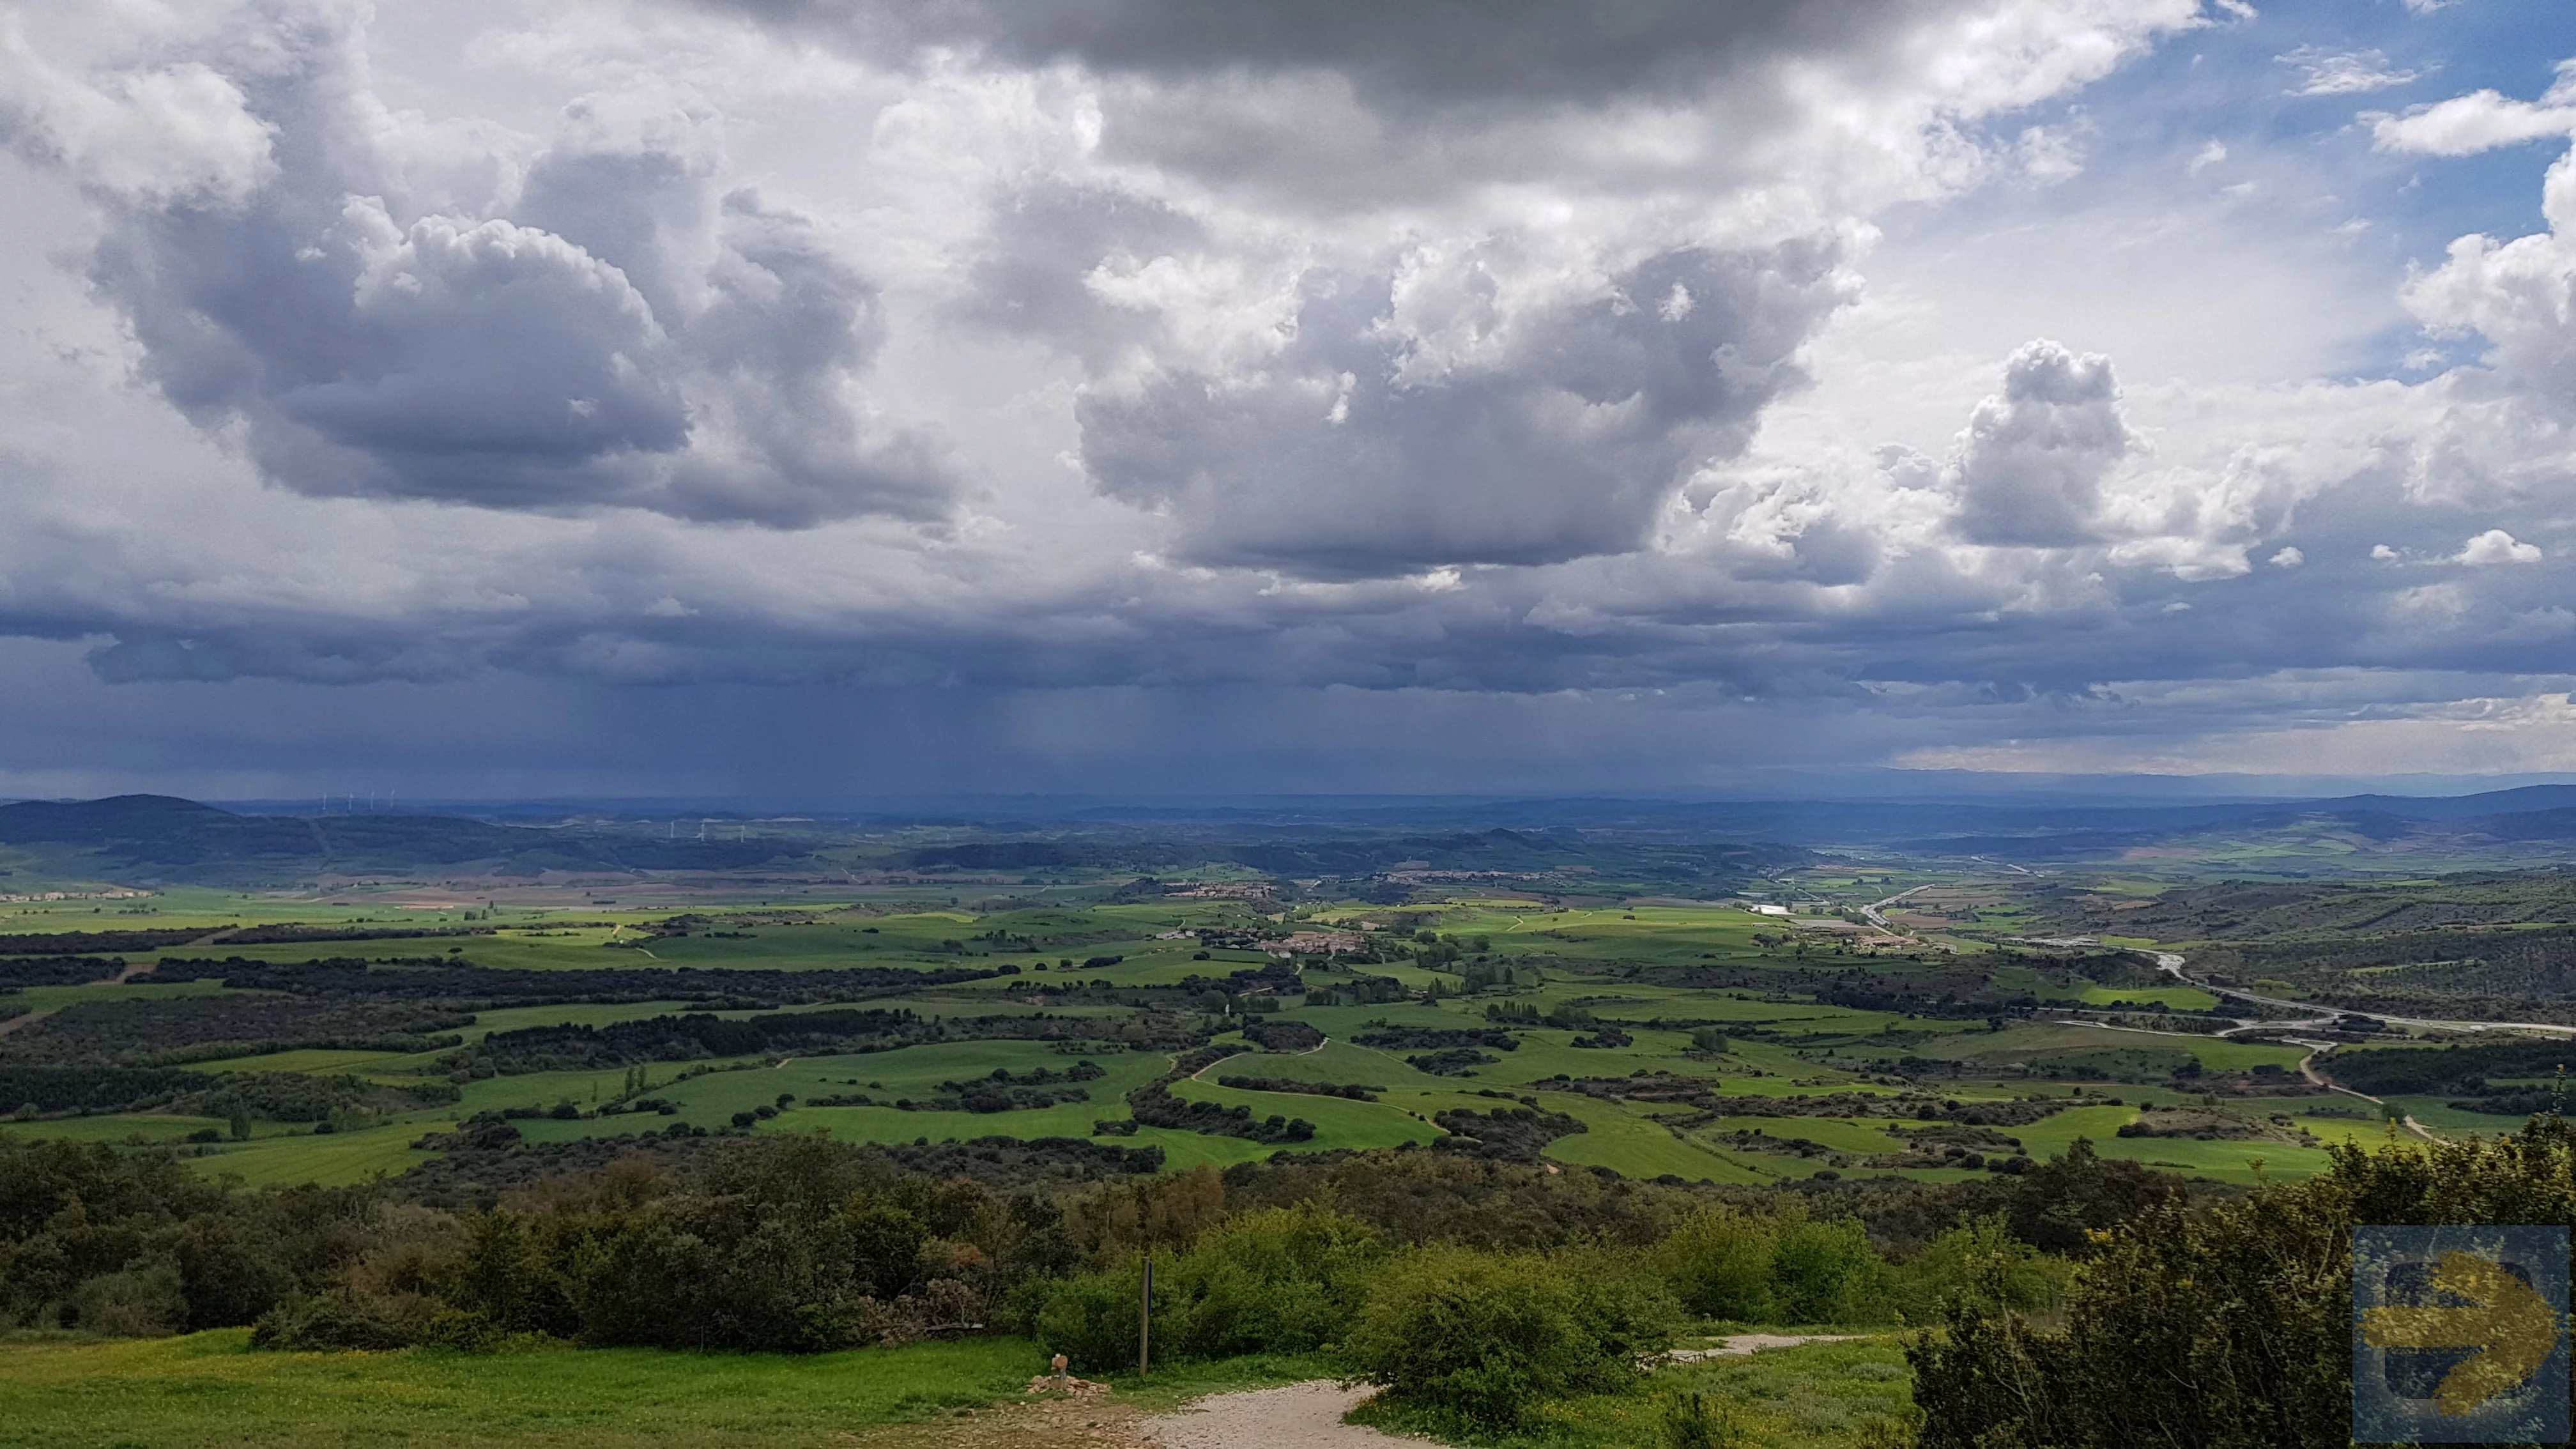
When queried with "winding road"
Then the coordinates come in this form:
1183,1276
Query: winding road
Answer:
2172,963
1871,912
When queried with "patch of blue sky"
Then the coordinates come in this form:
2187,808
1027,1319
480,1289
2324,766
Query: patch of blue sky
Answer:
2251,134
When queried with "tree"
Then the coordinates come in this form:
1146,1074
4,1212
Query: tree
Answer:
2230,1326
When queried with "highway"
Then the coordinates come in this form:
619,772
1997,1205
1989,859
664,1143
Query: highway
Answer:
2172,963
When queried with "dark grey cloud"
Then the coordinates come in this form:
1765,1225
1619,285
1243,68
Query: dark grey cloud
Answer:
1331,106
1423,373
1425,52
617,334
1440,52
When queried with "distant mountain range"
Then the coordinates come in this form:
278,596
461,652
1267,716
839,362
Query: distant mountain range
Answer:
145,839
161,839
2016,829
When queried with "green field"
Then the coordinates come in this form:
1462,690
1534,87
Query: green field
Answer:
207,1390
1622,1137
1813,1396
1630,964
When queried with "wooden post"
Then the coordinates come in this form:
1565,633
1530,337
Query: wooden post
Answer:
1145,1318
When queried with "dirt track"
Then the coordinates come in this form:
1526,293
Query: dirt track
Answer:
1300,1416
1295,1416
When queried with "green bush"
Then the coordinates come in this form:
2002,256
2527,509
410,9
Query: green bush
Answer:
2228,1327
1723,1262
344,1318
233,1268
783,1251
1283,1280
1694,1420
141,1302
1091,1319
1826,1272
1718,1263
1982,1265
1474,1342
1289,1280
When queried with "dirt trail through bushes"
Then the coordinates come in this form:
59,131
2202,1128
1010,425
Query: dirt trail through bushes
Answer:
1295,1416
1300,1416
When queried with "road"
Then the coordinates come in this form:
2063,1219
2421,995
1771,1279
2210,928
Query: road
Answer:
1870,912
2308,1069
2172,963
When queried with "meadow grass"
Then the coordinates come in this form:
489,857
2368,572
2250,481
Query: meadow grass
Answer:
1857,1134
324,1060
207,1391
1814,1396
1338,1122
122,1128
2233,1162
2041,1042
336,1159
1621,1137
2438,1114
51,998
1809,1397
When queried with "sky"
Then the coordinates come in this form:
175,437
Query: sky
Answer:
826,399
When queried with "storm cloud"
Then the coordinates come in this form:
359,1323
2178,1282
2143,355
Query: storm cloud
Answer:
1521,372
596,324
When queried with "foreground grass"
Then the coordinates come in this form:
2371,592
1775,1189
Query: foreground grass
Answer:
208,1390
1817,1396
1171,1386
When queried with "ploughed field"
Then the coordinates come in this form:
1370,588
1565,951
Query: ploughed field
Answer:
297,1042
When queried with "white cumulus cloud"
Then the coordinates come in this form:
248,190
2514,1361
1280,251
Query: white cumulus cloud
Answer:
2495,546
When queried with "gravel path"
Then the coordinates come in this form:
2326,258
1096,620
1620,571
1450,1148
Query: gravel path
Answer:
1309,1415
1744,1343
1300,1416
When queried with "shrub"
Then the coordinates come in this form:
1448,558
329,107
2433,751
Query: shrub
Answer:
231,1270
141,1302
1285,1280
1692,1421
1723,1262
1980,1264
2062,1203
1091,1319
2231,1326
1288,1280
1825,1272
1718,1263
740,1271
345,1318
1473,1342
